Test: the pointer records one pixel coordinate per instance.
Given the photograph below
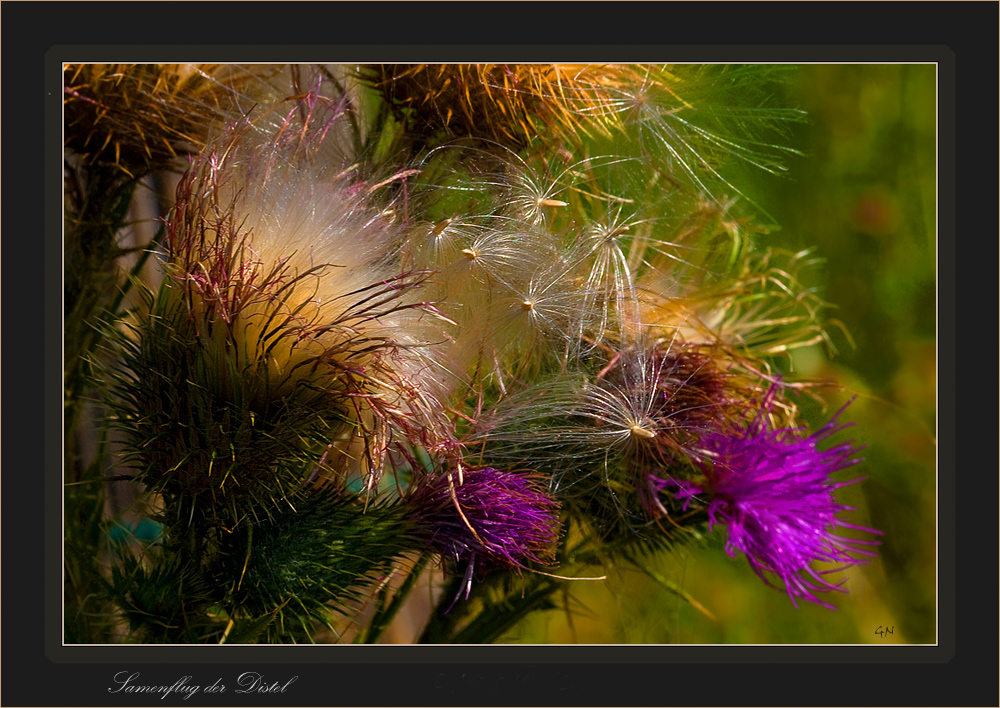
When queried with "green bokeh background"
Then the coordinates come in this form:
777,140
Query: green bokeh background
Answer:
863,197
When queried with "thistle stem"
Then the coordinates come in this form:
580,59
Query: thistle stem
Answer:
488,626
383,618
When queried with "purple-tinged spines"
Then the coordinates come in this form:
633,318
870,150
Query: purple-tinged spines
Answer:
486,517
774,493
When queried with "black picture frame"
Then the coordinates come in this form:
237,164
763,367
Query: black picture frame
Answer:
39,670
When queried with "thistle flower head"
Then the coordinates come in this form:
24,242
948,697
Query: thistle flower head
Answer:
505,103
287,325
486,517
143,116
772,490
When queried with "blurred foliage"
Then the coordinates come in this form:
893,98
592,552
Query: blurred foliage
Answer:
862,197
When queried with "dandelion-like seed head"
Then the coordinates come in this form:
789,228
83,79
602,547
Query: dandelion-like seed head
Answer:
666,396
773,491
538,195
617,250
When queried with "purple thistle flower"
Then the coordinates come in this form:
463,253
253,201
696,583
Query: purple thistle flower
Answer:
772,490
492,517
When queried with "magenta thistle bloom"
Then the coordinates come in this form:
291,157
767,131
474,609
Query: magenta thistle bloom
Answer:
490,517
773,492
